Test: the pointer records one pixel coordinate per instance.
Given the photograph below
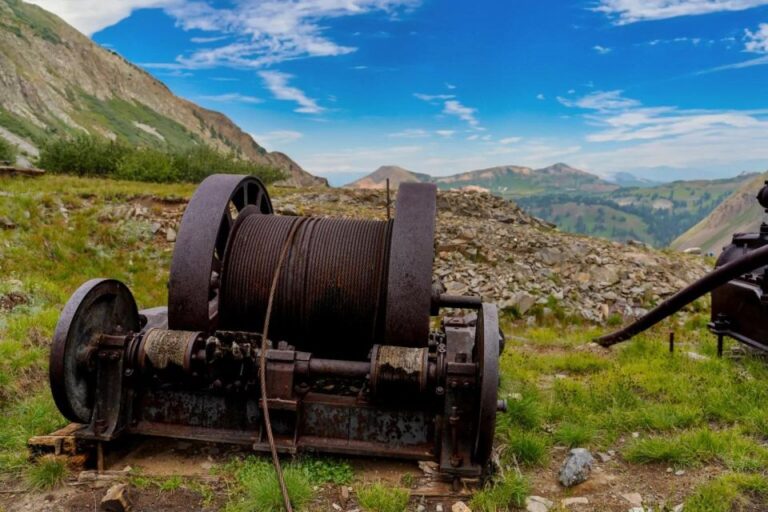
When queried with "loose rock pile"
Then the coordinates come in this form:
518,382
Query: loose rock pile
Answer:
487,246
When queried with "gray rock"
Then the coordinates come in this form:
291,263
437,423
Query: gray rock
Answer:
634,499
579,500
576,467
170,234
537,504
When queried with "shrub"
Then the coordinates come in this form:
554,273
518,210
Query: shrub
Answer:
504,495
8,152
83,155
48,472
89,155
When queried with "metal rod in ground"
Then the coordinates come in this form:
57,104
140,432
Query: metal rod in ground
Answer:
719,345
671,341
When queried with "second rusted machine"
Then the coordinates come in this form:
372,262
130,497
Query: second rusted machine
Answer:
355,361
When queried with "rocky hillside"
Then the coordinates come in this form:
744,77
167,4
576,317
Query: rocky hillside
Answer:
54,80
740,212
490,247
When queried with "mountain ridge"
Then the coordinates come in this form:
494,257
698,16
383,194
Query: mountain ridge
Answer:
55,81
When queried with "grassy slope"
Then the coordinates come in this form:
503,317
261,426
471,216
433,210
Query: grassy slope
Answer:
691,201
561,391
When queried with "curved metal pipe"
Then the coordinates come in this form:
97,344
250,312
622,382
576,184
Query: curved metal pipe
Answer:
706,284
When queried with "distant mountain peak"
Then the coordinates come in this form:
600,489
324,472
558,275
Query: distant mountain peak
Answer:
396,175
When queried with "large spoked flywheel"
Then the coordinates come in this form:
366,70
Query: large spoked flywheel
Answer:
193,287
100,306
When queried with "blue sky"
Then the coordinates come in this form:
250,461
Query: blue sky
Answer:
666,89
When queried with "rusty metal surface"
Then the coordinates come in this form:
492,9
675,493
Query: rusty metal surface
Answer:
98,306
334,276
193,287
409,280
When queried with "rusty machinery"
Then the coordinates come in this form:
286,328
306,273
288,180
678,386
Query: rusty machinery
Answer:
352,365
739,287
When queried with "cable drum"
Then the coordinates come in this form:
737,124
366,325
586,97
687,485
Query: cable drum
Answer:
331,293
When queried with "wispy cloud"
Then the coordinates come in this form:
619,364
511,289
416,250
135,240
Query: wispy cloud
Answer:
602,50
358,159
669,136
204,40
632,11
410,133
467,114
277,83
445,133
233,97
272,31
754,42
602,101
433,97
277,138
509,140
540,97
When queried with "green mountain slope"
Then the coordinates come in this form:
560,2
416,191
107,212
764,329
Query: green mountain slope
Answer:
739,212
655,215
55,81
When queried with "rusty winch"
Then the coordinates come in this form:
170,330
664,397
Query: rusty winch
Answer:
353,360
739,288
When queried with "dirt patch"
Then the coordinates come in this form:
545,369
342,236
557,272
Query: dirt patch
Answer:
11,300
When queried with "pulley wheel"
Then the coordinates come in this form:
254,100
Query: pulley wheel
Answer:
193,287
487,356
100,306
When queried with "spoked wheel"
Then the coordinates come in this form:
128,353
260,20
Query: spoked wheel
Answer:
193,287
100,306
487,355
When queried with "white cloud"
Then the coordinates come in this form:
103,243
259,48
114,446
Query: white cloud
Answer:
602,50
272,31
510,140
473,137
445,133
233,97
433,97
90,16
267,31
757,41
467,114
601,101
669,136
410,133
277,83
204,40
540,97
632,11
449,86
754,42
277,138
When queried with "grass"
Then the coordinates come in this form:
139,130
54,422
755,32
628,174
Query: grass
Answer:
729,492
48,472
508,493
377,497
255,485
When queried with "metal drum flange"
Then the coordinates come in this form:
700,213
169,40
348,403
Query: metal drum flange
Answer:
409,281
487,355
100,306
193,287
